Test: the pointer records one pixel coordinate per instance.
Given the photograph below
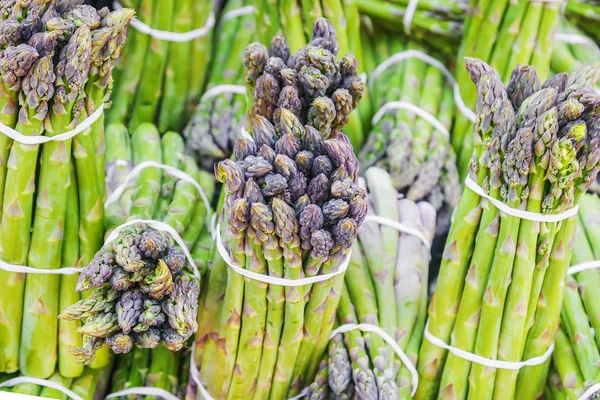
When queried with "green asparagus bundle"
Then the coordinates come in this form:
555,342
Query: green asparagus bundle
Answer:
386,286
576,353
501,282
504,34
56,68
417,155
438,23
292,210
295,18
160,80
585,14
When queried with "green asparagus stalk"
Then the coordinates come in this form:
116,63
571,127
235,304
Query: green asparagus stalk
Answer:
50,393
311,11
150,87
566,366
121,372
172,151
158,368
201,48
545,40
38,357
38,90
119,164
139,369
291,24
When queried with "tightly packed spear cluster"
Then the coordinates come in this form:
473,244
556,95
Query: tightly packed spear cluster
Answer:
418,157
437,23
567,57
158,80
295,18
56,63
585,14
215,125
575,361
293,210
501,282
503,34
386,286
92,384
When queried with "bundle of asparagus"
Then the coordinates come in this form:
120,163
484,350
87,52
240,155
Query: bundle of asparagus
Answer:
503,34
92,384
216,122
386,286
575,362
159,80
502,276
294,19
417,156
585,14
438,23
56,67
293,210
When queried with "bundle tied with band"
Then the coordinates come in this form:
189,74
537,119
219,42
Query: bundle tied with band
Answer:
497,303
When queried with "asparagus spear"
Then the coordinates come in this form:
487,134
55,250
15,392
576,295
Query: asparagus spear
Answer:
566,366
291,23
543,50
38,357
201,47
172,150
172,107
150,88
121,372
50,393
38,90
119,164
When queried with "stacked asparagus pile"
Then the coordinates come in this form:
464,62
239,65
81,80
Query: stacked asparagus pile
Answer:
294,19
92,384
216,122
56,67
386,285
437,23
567,57
159,80
293,209
586,14
575,364
503,34
537,150
417,156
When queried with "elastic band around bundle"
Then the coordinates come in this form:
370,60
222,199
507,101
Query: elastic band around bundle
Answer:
486,362
400,227
409,14
82,126
174,172
223,89
179,37
583,267
573,38
426,58
403,105
272,279
161,226
144,391
238,12
522,214
41,382
592,390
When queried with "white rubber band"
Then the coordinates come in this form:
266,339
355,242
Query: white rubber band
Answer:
522,214
389,340
573,38
272,279
583,267
238,12
21,269
477,359
135,172
161,226
403,105
41,382
399,227
223,89
592,390
82,126
171,36
409,15
426,58
145,391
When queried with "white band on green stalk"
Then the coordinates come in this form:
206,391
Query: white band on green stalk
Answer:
404,105
573,38
41,382
223,89
143,391
486,362
426,58
409,14
522,214
583,267
400,227
590,392
171,36
80,127
238,12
